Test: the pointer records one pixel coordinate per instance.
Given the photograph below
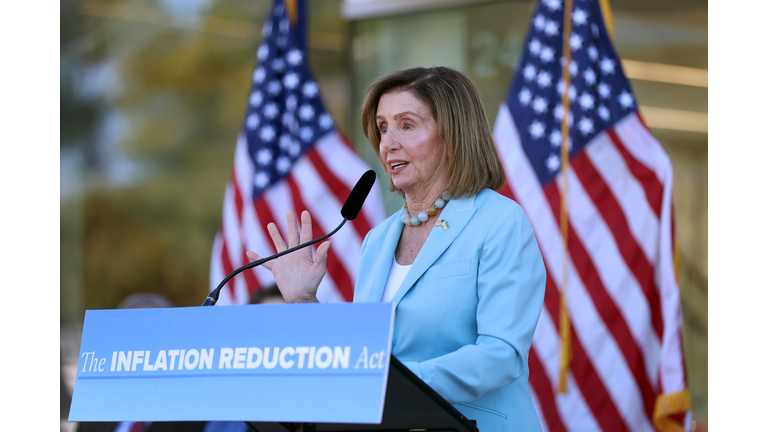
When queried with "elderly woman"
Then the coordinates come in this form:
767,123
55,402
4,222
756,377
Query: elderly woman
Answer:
459,261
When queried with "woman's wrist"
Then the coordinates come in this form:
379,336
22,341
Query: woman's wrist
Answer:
303,299
312,299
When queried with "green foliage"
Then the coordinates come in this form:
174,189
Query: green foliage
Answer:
183,95
155,237
80,116
182,90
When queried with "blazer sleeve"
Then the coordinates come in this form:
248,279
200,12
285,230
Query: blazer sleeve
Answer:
510,288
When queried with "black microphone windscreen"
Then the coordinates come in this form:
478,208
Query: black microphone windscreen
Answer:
357,197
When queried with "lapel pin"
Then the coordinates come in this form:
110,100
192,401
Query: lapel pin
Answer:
442,223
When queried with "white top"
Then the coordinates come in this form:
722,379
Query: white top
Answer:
394,280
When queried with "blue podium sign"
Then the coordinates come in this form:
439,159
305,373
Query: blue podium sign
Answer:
290,363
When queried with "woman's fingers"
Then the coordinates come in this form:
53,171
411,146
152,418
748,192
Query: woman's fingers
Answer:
322,253
277,239
296,269
306,227
253,256
293,230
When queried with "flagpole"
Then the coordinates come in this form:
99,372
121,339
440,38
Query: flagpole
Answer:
566,352
292,10
605,9
565,322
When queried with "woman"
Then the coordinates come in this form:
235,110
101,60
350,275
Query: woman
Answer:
459,261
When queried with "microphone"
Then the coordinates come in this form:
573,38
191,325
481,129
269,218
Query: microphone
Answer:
349,211
356,198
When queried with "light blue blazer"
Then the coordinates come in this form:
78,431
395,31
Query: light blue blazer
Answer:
467,309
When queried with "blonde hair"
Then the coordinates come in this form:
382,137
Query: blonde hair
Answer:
469,153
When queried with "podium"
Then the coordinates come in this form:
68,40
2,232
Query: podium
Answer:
409,405
278,368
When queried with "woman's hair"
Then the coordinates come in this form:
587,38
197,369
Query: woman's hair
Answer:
469,154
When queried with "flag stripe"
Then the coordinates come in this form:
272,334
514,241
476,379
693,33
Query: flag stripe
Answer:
653,189
644,147
614,218
328,293
672,366
226,295
337,188
544,392
613,272
629,193
607,310
537,407
251,283
543,387
644,156
232,243
507,192
238,199
590,384
335,158
592,388
337,154
571,406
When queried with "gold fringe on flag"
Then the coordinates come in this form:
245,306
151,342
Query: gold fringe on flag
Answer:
668,405
565,322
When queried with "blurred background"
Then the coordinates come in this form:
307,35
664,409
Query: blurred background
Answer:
153,94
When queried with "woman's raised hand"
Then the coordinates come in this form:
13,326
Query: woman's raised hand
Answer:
297,274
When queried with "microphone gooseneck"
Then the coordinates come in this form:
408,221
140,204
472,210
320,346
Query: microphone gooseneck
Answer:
349,211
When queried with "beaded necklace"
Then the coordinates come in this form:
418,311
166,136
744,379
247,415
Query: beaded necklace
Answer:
424,216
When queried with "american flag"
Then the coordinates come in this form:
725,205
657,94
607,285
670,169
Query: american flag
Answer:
289,156
627,369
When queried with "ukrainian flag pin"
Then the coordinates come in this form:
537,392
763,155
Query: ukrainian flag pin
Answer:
442,223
